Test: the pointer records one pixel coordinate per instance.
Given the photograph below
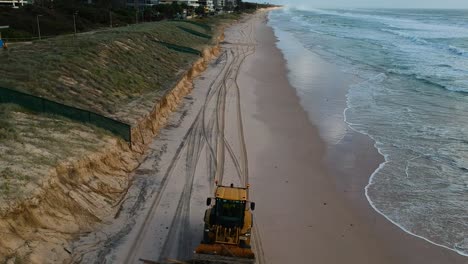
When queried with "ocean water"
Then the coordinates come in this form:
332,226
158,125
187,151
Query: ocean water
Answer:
412,101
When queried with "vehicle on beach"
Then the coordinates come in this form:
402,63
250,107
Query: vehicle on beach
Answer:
228,228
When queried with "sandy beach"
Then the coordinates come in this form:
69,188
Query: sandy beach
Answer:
243,118
310,194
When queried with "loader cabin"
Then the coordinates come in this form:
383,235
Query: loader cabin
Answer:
230,206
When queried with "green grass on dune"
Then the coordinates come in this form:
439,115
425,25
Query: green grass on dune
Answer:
102,71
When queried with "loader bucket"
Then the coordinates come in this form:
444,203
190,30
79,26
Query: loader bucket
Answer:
218,252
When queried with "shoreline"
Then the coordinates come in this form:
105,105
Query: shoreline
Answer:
378,159
392,245
286,159
381,164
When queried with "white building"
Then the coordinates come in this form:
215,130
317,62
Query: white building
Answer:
194,3
219,4
231,3
141,4
208,4
226,4
14,3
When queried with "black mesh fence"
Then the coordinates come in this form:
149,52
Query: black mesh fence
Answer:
180,48
194,32
39,104
204,26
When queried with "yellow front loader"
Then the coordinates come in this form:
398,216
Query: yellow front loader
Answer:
228,228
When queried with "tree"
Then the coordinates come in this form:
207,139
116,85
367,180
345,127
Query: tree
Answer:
168,11
200,10
184,6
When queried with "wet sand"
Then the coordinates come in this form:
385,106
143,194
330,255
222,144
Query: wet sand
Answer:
309,191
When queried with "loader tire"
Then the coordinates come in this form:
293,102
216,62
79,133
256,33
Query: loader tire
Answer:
206,235
242,244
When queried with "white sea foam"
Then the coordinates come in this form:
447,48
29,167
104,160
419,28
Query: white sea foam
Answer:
405,35
456,50
379,78
459,160
426,30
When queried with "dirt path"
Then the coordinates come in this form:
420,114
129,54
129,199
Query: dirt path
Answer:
162,215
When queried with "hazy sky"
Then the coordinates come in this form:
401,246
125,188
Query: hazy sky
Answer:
373,3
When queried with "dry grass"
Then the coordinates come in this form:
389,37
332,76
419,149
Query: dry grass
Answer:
31,145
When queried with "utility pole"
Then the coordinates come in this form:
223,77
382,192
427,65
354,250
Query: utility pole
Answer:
3,27
110,18
136,9
74,21
38,26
